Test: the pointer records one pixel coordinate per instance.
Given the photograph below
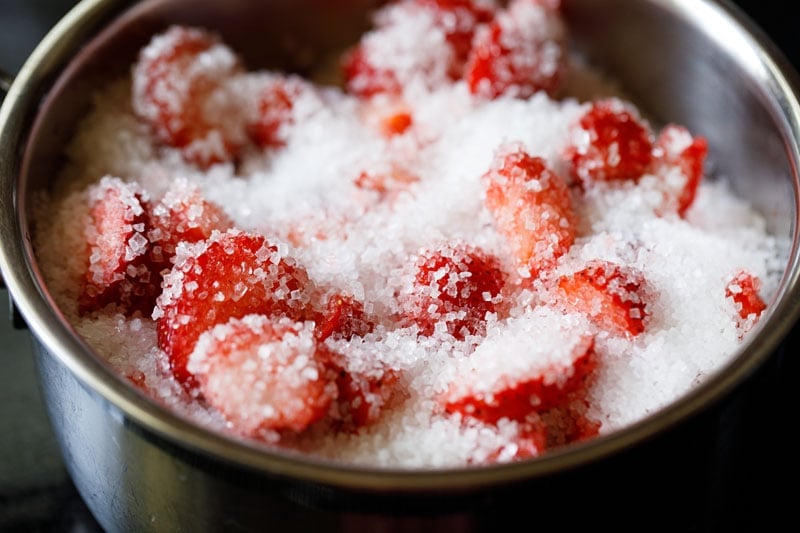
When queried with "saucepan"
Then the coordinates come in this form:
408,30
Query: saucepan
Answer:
140,467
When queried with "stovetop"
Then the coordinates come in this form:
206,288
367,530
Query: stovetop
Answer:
37,496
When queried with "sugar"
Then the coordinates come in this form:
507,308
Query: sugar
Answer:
307,199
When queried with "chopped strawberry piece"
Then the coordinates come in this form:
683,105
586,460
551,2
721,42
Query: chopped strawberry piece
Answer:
183,215
459,19
230,275
363,396
343,318
365,79
528,441
275,111
454,286
613,296
520,53
262,374
173,80
609,142
119,272
677,150
532,209
492,384
744,289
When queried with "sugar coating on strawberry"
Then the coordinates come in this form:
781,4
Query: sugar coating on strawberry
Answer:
679,159
118,270
262,374
452,288
229,275
174,79
363,396
610,141
615,297
389,116
274,109
501,379
532,208
521,52
743,289
410,44
183,214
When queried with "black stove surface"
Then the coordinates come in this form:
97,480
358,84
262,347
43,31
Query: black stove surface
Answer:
36,494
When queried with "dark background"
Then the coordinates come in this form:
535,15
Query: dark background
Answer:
37,496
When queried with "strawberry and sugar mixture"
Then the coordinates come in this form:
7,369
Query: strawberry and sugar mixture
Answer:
469,248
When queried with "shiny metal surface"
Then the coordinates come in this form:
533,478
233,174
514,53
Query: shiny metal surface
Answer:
141,468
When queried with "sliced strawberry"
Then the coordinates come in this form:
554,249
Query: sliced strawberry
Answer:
532,209
183,215
173,80
343,318
498,381
676,150
744,289
262,374
520,53
609,142
362,396
119,272
365,79
275,110
459,19
230,275
454,287
615,297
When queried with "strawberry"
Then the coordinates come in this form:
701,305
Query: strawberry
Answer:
174,79
275,110
385,183
491,384
459,20
532,208
527,441
609,142
615,297
520,53
119,272
388,116
363,77
362,396
343,318
455,286
743,289
263,374
677,151
182,215
230,275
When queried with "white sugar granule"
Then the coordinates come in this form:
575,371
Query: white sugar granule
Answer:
304,196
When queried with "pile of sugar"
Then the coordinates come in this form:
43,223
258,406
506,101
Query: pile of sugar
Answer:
304,196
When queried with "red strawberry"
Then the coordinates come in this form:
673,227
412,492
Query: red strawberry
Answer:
262,374
454,287
521,52
362,396
609,142
459,19
744,289
365,79
677,150
343,318
528,441
275,110
492,384
119,271
173,80
230,275
388,116
183,215
613,296
532,209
